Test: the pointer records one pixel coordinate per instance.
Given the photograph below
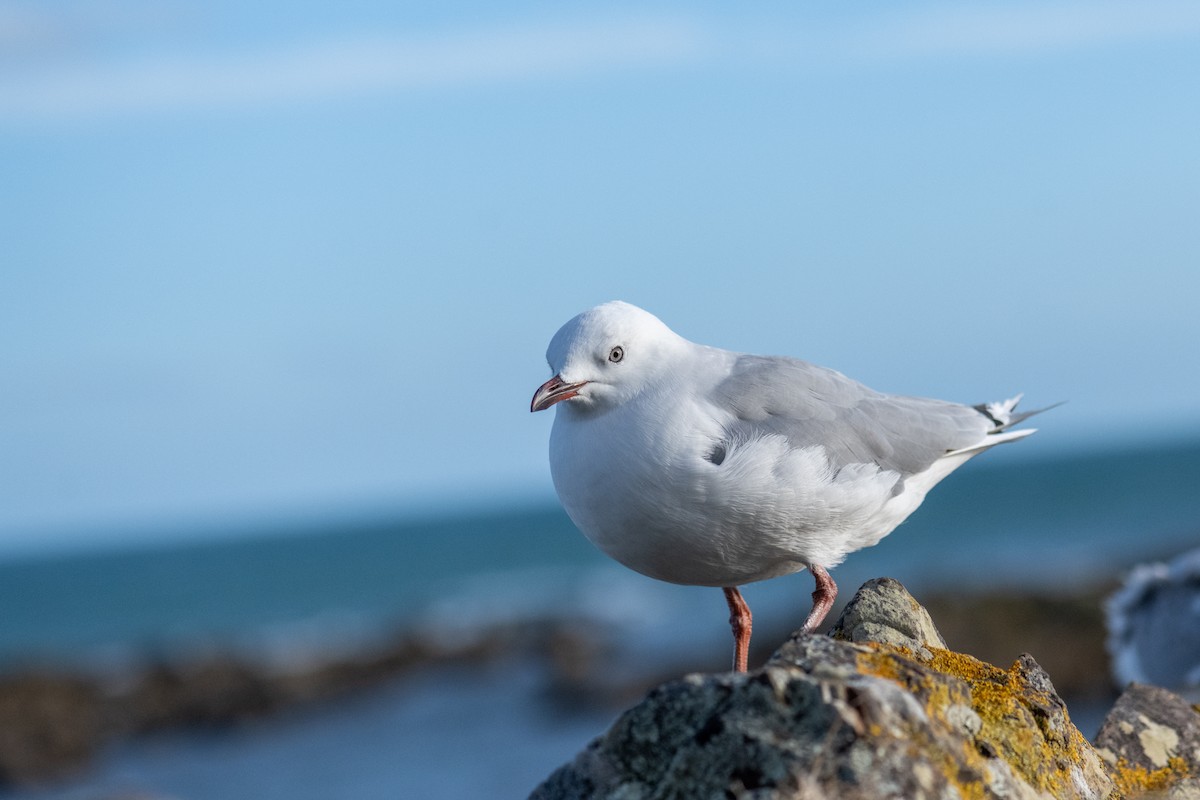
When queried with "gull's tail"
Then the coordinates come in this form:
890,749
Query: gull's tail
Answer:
1003,415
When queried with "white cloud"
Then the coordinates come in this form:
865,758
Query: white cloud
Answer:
345,66
99,86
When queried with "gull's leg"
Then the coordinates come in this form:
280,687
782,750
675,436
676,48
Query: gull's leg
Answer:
823,598
739,621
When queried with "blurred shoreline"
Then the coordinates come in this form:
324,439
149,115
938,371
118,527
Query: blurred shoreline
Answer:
56,722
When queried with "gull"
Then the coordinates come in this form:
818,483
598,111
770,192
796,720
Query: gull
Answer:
705,467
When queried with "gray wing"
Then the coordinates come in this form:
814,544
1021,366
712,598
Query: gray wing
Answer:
812,405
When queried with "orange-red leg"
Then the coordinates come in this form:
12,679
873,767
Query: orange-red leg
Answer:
823,597
740,621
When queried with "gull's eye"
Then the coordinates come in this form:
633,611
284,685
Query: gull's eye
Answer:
616,354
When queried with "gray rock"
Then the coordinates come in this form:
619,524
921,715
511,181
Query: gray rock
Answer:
883,611
1151,742
49,723
1154,626
880,711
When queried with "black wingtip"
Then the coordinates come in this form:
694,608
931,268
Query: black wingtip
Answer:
1013,419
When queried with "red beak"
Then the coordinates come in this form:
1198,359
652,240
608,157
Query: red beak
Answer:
552,391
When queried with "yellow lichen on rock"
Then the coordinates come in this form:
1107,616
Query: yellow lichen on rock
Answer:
1019,722
1023,721
1134,780
1151,744
937,695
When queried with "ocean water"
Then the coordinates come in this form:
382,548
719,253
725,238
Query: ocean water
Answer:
1001,521
338,579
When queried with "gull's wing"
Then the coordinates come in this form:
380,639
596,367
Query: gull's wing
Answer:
812,405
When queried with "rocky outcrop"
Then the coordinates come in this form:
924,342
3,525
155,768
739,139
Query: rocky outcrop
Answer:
1153,623
880,709
53,722
1151,742
50,723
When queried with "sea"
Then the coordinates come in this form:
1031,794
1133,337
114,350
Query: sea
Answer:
1048,524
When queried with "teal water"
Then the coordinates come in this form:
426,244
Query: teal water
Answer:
359,571
999,520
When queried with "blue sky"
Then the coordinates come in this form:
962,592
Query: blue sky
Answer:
297,259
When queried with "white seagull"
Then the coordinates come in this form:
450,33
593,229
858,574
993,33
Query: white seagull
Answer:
705,467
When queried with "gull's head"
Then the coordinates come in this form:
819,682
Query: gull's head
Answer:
605,356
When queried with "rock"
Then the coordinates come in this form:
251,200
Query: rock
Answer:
1154,625
1151,742
883,611
52,722
213,692
880,710
49,723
